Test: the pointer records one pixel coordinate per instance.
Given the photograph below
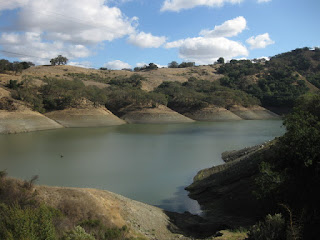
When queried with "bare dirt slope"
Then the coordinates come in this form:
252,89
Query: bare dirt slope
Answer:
25,121
112,209
253,113
213,113
87,117
15,117
159,114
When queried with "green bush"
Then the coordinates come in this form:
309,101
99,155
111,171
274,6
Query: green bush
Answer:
272,228
26,223
78,233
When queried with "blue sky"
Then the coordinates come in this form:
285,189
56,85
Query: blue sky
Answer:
128,33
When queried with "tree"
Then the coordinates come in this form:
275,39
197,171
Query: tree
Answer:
220,60
152,66
60,60
17,67
173,64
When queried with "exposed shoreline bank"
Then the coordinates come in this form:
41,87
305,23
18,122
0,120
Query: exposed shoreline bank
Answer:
26,120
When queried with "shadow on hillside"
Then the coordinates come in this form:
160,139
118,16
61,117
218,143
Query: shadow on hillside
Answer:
193,226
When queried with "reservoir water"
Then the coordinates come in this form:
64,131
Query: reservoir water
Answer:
148,163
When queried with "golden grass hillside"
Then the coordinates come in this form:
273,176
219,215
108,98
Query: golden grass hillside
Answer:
153,78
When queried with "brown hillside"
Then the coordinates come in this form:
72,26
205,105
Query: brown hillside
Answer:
89,76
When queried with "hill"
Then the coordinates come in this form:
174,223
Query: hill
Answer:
225,89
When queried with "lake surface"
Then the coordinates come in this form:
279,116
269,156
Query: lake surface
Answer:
148,163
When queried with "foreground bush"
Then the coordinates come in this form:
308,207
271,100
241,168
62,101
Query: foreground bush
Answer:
27,223
272,228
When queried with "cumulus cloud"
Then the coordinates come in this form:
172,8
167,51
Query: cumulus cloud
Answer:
79,21
213,44
12,4
32,48
84,64
68,27
177,5
208,50
229,28
260,41
146,40
117,64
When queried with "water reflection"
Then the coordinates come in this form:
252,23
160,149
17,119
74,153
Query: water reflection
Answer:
180,202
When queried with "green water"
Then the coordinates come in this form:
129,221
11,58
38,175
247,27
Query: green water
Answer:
148,163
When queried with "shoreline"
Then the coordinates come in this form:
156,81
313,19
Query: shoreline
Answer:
25,120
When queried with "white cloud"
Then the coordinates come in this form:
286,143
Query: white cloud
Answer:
12,4
213,44
80,22
229,28
117,64
260,41
84,64
263,1
32,48
177,5
146,40
63,27
141,64
208,50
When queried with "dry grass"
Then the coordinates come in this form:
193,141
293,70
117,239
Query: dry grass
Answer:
228,235
153,78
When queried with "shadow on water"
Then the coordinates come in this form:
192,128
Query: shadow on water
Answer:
186,216
180,203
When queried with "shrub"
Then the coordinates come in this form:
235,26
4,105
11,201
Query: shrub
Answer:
272,228
26,223
78,233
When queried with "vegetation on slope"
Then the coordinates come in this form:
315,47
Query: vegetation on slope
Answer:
288,181
196,94
278,82
23,216
274,83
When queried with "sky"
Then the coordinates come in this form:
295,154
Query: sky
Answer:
128,33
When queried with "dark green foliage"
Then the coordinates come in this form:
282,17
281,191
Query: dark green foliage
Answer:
6,65
173,64
96,95
60,60
151,66
276,85
60,94
119,98
26,223
29,93
296,59
135,81
272,228
292,175
186,64
13,84
197,94
220,60
21,215
314,79
78,233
